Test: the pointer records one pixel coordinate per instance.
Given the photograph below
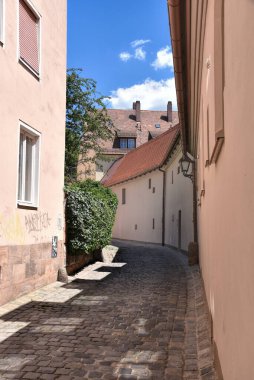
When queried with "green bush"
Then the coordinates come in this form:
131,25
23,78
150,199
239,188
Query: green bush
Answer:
90,215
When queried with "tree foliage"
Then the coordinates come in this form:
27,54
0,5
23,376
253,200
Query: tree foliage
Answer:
90,215
87,123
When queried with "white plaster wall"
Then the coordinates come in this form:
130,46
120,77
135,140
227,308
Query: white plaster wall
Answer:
40,104
179,196
142,205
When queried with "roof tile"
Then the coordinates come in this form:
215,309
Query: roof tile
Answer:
149,156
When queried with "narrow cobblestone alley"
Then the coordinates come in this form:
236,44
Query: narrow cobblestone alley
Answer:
141,317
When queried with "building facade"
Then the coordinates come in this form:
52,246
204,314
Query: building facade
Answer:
154,198
32,108
213,50
131,128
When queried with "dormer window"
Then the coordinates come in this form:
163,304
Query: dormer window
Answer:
125,139
127,143
157,125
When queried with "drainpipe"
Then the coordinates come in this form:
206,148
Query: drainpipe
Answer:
163,205
195,218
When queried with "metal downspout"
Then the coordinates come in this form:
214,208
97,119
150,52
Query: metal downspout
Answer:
163,205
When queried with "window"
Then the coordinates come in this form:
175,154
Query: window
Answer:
2,21
29,37
153,223
153,189
207,162
127,143
219,79
149,183
123,196
28,172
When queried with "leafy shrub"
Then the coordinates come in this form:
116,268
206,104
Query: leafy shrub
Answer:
90,215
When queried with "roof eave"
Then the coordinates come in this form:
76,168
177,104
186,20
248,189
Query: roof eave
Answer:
178,11
162,163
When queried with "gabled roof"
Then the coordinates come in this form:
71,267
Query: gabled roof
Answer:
149,156
124,121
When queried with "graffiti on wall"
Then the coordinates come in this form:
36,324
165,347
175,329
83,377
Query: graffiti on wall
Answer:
22,227
18,229
37,222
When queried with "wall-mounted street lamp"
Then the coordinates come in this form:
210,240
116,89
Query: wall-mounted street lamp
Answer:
187,167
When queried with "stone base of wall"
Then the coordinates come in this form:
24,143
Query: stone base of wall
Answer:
177,249
24,268
116,239
76,262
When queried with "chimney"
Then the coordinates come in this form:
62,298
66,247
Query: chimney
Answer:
169,112
134,105
138,113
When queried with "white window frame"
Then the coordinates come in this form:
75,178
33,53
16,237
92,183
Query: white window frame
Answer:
38,15
2,40
36,148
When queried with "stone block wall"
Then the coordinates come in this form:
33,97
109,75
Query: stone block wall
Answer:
27,267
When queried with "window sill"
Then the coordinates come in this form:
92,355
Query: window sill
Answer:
29,68
217,149
26,205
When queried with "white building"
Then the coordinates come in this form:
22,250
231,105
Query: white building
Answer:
155,199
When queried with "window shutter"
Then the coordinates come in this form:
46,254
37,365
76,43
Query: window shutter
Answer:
28,36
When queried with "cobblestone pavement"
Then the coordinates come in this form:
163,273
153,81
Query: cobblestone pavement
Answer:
141,317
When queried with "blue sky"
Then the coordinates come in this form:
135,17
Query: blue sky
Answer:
125,47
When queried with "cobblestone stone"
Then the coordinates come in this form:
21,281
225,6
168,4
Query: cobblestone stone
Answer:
142,317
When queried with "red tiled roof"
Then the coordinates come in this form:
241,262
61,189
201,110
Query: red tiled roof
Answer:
125,121
149,156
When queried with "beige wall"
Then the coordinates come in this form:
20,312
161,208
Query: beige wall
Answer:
142,205
179,196
41,105
95,171
226,206
103,166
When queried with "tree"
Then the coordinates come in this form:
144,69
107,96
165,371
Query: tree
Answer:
87,123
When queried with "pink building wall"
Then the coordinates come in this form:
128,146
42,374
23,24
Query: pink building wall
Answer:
226,210
26,234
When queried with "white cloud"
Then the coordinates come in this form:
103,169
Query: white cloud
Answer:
125,56
164,59
137,43
152,94
140,54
